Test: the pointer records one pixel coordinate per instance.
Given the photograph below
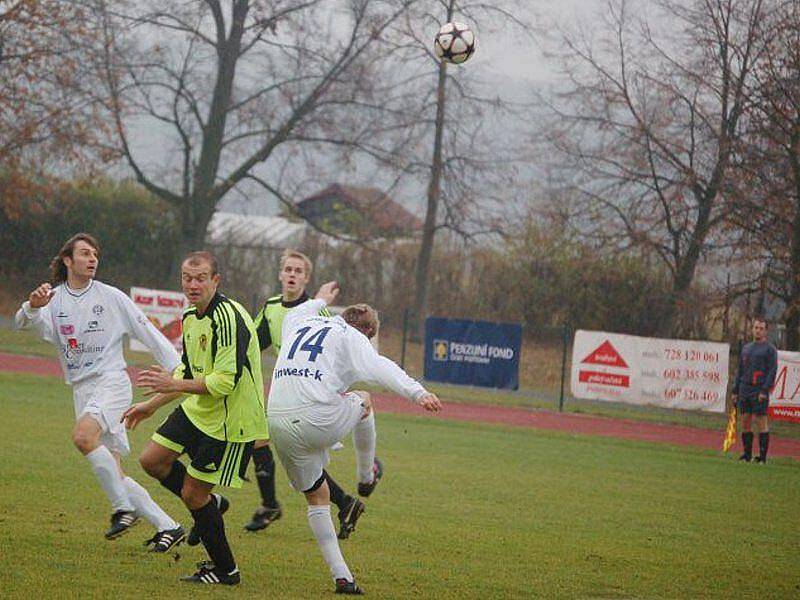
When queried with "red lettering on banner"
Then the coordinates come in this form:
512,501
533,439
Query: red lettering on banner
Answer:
604,378
173,302
607,355
146,300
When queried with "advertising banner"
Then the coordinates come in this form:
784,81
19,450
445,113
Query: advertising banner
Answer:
164,309
784,402
472,352
637,370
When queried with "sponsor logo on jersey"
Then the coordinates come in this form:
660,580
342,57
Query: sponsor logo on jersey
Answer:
75,348
62,315
66,329
98,309
93,327
295,372
203,342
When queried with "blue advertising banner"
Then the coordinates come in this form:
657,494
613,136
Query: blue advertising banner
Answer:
472,352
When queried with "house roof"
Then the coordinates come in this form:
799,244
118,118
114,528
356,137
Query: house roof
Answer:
380,210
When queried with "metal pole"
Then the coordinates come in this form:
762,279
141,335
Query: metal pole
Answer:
564,341
405,335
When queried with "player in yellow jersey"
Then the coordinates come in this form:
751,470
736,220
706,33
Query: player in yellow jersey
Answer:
221,416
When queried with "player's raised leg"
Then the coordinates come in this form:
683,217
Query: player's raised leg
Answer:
369,469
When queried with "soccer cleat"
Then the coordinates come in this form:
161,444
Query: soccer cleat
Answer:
760,460
164,541
348,587
207,573
365,489
263,517
745,458
223,504
348,517
121,521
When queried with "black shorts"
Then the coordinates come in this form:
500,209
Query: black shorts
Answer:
753,405
214,461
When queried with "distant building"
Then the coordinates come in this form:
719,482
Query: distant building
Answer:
366,213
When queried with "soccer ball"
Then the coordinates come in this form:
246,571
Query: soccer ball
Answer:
454,43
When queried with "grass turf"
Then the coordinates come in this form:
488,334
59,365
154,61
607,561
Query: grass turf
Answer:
464,511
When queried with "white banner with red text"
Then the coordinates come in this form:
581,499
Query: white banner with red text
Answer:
164,308
784,399
684,374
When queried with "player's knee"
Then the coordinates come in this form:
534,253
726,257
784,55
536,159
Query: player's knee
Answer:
366,402
153,466
84,441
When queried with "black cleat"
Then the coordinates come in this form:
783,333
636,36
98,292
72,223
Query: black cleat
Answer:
164,541
761,460
348,587
745,457
223,504
348,517
121,521
207,573
365,489
263,517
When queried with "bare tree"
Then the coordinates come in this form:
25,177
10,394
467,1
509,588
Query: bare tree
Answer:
470,170
769,215
651,120
40,61
238,92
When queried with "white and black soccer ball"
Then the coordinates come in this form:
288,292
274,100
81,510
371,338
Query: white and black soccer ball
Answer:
454,43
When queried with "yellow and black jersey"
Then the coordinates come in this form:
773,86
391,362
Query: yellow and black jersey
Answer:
269,321
222,346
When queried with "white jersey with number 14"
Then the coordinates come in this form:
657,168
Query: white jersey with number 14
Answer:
322,357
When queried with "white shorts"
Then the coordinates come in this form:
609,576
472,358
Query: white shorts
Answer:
303,437
105,397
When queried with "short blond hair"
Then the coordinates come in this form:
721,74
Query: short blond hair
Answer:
292,253
364,318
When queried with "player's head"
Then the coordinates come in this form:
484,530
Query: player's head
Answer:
79,256
363,317
295,273
199,278
760,327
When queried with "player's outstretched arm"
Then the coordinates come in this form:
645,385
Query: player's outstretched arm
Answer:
430,402
30,313
144,410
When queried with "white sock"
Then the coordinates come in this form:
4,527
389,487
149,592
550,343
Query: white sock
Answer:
319,519
106,471
364,437
146,507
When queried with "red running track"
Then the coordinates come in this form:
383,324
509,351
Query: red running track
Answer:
505,415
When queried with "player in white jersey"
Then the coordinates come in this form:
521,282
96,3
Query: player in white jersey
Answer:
309,407
86,320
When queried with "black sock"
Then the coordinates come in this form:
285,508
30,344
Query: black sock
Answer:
210,526
174,481
763,444
265,475
747,442
338,495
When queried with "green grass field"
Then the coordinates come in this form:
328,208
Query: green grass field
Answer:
464,511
